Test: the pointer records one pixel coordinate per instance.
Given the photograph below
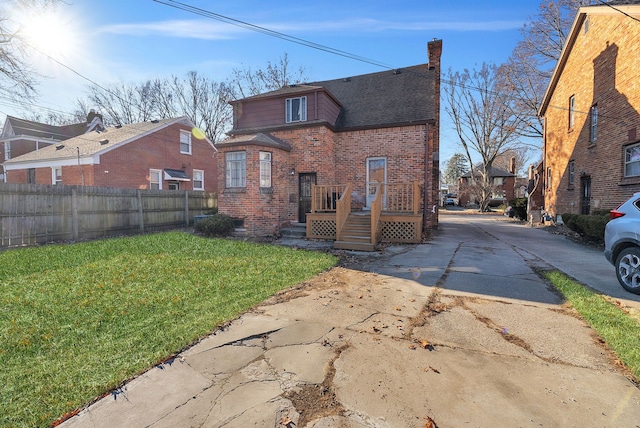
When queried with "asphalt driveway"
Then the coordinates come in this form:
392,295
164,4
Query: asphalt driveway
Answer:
459,331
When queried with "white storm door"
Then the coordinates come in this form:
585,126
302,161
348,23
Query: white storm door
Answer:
376,173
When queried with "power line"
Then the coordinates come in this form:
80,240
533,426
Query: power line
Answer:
619,10
268,32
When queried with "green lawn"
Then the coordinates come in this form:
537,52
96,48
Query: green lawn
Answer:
77,320
620,330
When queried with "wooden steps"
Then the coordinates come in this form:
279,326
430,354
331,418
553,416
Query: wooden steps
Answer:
356,234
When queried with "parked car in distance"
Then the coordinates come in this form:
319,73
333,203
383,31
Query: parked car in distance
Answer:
622,243
449,201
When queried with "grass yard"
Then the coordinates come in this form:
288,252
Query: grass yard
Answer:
77,320
620,330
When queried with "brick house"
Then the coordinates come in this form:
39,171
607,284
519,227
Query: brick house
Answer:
315,153
150,155
591,113
20,136
503,190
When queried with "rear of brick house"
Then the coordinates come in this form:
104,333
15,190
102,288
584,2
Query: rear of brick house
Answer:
362,131
591,113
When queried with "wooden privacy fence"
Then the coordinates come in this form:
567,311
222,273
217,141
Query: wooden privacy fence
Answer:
34,214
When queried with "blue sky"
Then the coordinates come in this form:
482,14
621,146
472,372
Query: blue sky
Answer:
113,41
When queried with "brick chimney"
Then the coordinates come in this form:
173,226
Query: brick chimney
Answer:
434,52
512,165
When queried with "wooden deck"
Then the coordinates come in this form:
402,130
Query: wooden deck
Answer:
394,216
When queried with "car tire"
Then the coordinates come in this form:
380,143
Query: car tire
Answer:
628,269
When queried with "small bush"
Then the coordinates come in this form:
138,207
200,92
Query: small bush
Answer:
216,225
519,206
590,226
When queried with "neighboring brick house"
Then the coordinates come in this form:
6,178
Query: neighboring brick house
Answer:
362,130
20,136
150,155
591,113
503,190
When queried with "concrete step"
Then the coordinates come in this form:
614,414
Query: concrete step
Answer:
356,246
294,231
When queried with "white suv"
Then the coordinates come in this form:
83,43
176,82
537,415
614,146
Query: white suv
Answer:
622,243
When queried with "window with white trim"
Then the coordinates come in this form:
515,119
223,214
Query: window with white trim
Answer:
265,169
632,161
155,179
572,173
198,179
296,109
185,142
56,175
593,134
236,169
572,111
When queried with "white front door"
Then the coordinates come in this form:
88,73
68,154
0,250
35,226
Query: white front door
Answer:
376,173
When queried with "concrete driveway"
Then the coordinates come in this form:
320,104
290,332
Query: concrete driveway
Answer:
459,331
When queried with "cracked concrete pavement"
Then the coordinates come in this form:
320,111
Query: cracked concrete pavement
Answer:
456,332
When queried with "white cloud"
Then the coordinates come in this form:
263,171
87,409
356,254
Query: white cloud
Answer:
211,30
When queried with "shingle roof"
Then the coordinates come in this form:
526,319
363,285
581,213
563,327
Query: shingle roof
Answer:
385,98
93,143
42,130
261,139
495,172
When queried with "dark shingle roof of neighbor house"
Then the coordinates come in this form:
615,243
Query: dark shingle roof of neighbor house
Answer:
386,98
495,172
22,127
92,143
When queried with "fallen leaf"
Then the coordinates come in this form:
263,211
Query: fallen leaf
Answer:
285,420
430,423
424,344
376,338
412,346
434,370
397,308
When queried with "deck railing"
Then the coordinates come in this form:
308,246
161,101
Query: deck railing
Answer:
343,209
402,197
325,198
376,209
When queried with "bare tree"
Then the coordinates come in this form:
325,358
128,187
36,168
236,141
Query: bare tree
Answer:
518,154
246,82
17,77
527,72
482,113
202,100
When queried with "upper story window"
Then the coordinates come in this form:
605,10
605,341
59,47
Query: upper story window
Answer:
572,111
198,179
155,179
265,169
593,116
632,161
56,175
296,109
185,142
236,169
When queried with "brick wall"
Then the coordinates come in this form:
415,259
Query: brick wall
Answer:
336,158
602,70
128,166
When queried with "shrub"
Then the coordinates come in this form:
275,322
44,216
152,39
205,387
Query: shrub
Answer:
519,206
589,226
216,225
